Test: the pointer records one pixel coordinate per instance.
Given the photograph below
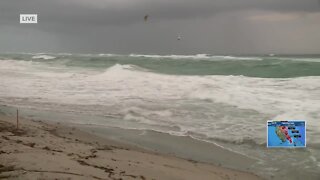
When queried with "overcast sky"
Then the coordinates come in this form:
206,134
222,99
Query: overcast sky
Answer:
206,26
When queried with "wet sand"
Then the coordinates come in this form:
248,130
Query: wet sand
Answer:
43,150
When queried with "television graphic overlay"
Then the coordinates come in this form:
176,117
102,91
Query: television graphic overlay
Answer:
286,134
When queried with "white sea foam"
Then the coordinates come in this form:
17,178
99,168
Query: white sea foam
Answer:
197,56
206,104
10,65
239,58
45,57
109,55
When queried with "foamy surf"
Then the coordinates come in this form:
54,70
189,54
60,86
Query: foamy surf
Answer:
45,57
197,56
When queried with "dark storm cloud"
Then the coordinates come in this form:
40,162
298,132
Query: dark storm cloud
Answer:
118,25
105,12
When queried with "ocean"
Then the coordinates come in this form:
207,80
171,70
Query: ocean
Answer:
225,100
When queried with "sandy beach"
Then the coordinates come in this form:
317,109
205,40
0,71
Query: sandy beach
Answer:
42,150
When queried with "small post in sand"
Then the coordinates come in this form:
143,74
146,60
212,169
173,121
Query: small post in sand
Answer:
17,119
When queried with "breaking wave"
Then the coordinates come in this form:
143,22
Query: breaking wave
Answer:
45,57
197,56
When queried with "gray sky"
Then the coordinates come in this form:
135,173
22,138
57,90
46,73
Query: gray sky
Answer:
206,26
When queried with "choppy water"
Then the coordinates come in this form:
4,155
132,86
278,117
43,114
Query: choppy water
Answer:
222,99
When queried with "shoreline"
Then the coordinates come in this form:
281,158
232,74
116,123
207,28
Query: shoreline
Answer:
41,149
184,147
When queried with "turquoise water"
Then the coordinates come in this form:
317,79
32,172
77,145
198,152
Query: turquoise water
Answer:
255,66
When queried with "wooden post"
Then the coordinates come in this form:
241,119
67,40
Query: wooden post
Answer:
17,119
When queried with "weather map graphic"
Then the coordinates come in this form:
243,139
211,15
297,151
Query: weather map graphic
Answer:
286,134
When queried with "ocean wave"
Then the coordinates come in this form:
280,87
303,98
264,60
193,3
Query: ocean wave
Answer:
240,141
128,67
197,56
301,59
108,55
45,57
10,64
64,54
233,100
240,58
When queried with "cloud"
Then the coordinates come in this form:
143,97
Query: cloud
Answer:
124,12
117,25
